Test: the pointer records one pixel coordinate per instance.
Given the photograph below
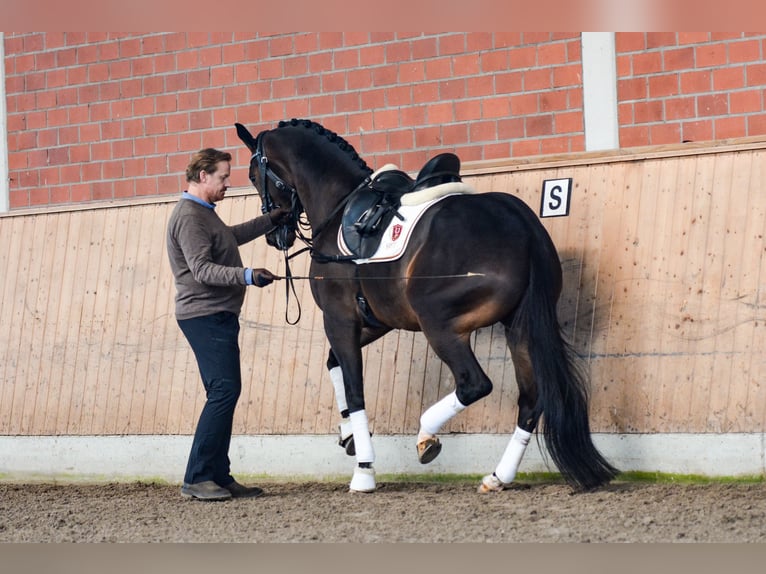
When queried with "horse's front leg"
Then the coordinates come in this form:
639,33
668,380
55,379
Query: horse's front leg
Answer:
345,341
345,434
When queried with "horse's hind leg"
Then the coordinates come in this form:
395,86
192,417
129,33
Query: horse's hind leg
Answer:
471,384
527,419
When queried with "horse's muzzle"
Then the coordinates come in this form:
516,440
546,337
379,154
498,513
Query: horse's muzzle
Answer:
283,237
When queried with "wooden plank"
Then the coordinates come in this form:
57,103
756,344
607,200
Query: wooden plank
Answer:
44,341
14,304
743,252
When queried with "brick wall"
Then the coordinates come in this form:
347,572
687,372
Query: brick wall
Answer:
100,116
695,86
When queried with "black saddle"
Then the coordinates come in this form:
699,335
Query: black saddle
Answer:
371,208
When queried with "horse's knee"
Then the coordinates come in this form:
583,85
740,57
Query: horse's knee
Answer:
469,393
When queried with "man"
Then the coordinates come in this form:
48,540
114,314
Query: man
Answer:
210,283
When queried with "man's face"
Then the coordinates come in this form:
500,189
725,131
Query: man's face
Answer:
215,184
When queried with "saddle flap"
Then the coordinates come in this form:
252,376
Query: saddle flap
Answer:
365,217
442,168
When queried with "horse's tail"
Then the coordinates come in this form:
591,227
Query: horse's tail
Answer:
563,397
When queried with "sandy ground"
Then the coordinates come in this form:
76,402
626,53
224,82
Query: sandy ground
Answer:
397,512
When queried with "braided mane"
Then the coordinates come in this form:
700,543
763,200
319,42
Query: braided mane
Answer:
332,137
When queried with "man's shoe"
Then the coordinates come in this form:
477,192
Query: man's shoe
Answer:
207,490
238,490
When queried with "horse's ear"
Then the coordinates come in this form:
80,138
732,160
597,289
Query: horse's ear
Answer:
246,137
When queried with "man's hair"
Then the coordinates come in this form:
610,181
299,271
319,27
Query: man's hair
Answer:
205,160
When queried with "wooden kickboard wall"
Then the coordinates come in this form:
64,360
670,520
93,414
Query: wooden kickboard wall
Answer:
662,252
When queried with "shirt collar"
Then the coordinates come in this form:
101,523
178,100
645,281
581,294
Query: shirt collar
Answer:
187,195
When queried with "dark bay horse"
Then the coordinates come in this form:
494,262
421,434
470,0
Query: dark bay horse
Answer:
473,260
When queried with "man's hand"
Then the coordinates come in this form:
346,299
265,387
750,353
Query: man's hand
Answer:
262,277
280,215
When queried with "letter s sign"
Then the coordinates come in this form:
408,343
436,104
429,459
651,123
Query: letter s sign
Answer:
555,201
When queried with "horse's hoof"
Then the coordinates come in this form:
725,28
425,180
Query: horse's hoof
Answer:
491,483
363,480
429,449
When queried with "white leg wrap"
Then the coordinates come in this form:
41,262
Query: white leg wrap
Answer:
437,415
336,376
361,429
509,464
344,429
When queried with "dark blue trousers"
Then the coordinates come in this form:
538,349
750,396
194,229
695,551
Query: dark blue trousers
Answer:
215,342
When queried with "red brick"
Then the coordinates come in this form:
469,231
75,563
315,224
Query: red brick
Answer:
508,83
681,59
454,134
482,131
747,51
756,125
39,196
489,62
347,102
413,116
756,75
648,112
478,41
524,57
537,79
554,145
526,147
728,78
321,105
551,54
712,105
680,108
541,125
745,102
632,136
695,82
506,39
385,119
524,104
209,57
400,95
630,41
570,75
568,122
423,49
663,85
665,133
468,110
510,128
427,137
409,72
330,40
731,127
452,44
646,63
349,39
632,89
465,65
660,39
496,107
400,139
282,89
425,93
479,86
372,99
710,55
436,69
697,131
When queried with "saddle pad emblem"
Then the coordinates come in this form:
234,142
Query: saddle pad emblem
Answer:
396,231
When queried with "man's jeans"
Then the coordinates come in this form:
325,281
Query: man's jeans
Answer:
214,340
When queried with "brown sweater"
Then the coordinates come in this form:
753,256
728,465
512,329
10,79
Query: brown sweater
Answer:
205,260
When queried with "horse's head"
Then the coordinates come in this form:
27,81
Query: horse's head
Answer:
274,190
